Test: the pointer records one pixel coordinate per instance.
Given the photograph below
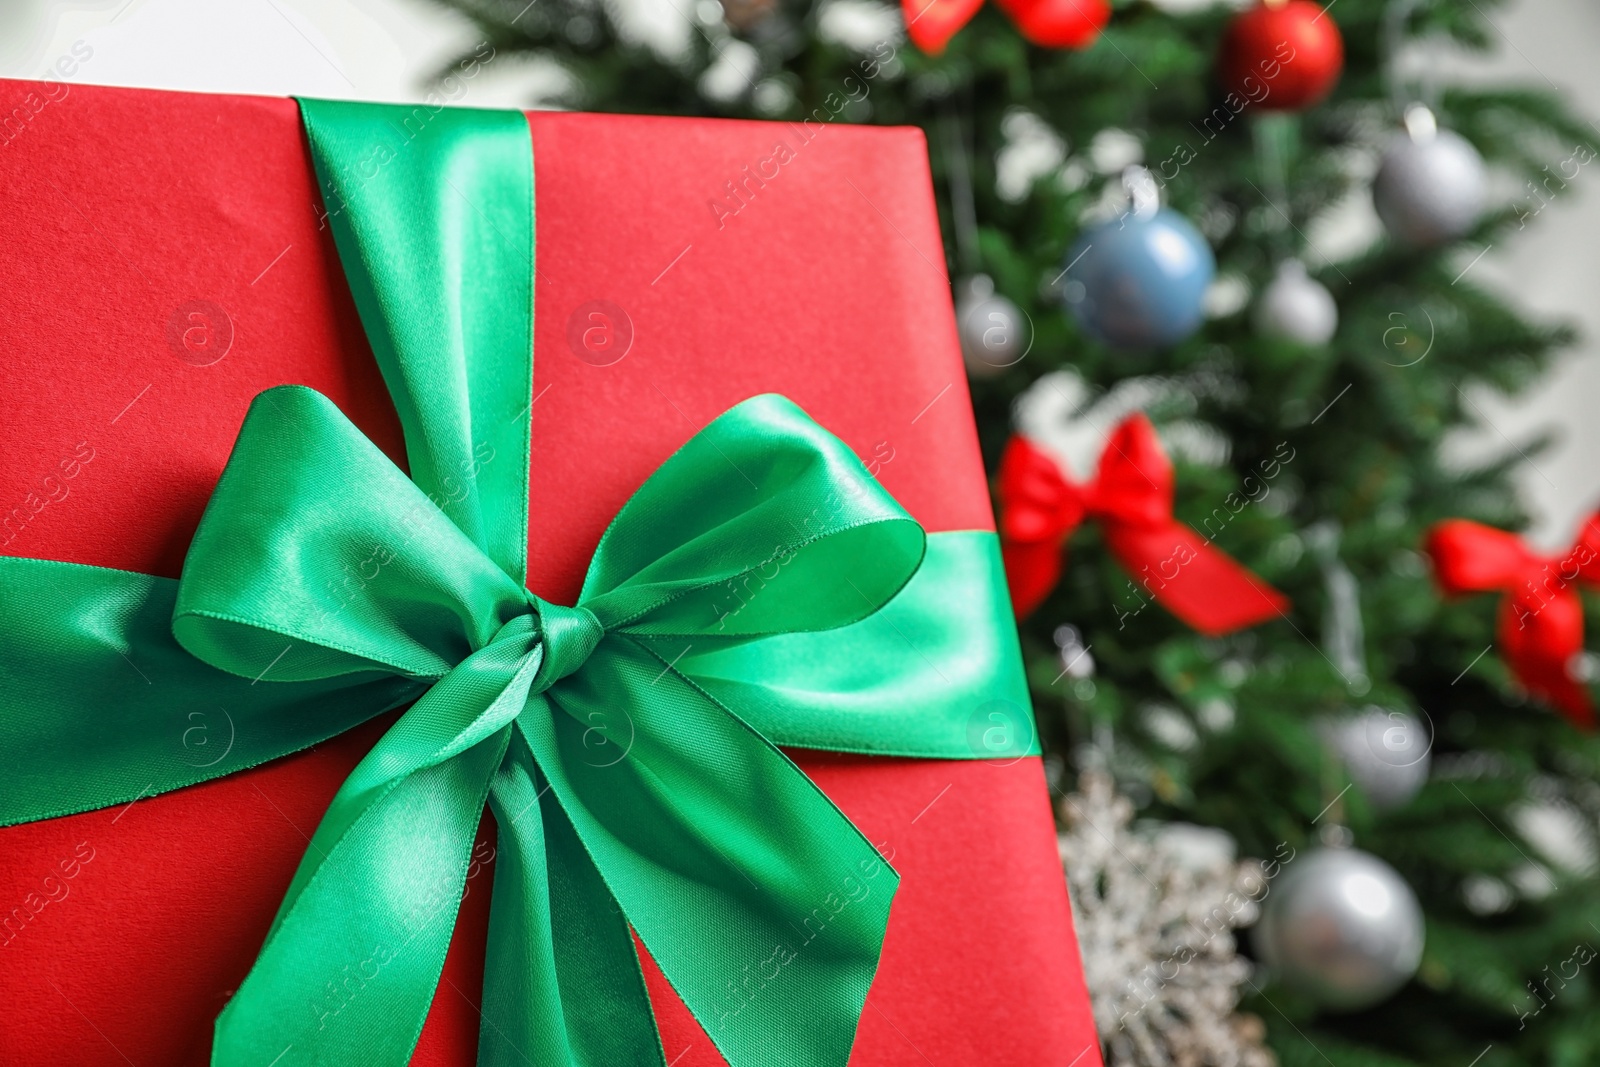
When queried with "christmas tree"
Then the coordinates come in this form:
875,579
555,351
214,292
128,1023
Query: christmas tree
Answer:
1312,460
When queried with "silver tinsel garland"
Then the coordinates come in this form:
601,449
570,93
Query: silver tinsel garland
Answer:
1155,925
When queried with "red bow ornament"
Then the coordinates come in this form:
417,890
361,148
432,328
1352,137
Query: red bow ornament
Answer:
1047,23
1130,496
1540,627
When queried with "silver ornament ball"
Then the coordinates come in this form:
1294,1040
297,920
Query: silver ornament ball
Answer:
1342,926
994,332
1075,658
1431,185
1385,752
1296,307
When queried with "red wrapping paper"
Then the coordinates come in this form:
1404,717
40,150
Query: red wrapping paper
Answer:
166,260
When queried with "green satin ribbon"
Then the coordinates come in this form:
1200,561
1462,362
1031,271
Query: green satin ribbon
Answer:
760,589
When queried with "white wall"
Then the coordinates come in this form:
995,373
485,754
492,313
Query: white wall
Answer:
1553,268
355,49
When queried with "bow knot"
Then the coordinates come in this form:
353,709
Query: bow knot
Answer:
1130,497
567,636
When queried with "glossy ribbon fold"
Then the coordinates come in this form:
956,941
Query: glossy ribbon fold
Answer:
759,589
1540,626
1130,496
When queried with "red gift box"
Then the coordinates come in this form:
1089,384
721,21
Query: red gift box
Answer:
168,259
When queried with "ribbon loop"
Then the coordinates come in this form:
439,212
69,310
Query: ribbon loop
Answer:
1469,557
762,523
287,581
1039,503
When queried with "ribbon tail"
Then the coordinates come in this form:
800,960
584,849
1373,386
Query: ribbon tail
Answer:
352,961
560,956
763,906
1539,643
1199,583
350,968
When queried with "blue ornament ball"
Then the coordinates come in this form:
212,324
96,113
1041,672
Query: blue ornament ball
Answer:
1139,281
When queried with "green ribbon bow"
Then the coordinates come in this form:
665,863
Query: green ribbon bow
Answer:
760,589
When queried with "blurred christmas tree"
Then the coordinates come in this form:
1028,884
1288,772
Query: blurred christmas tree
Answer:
1314,461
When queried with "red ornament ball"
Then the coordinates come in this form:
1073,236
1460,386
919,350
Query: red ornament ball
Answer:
1281,56
1058,23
